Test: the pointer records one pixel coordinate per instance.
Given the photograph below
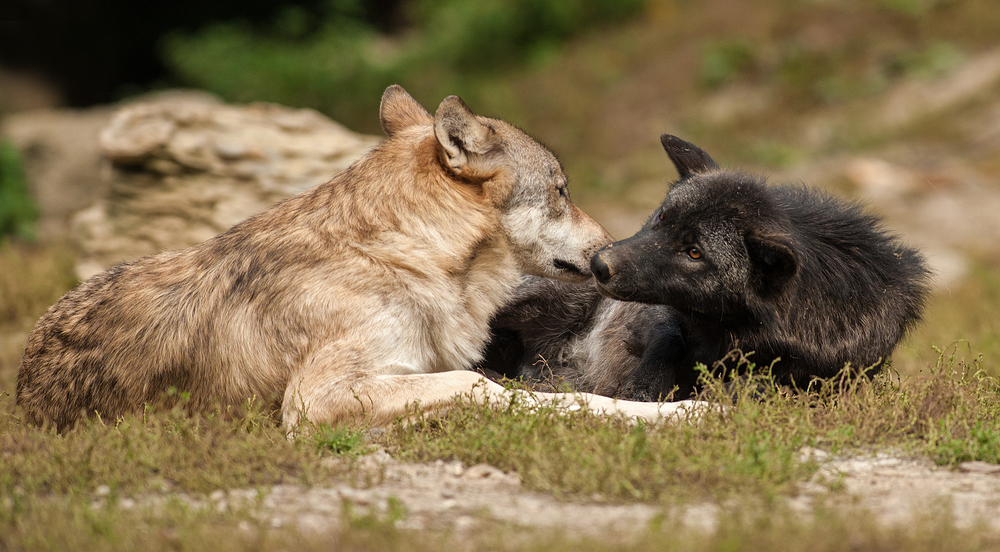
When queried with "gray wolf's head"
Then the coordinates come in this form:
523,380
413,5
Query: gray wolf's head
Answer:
521,180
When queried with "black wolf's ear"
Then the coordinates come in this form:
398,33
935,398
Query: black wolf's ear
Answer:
462,136
773,260
688,158
399,111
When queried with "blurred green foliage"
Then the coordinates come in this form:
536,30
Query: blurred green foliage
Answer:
932,61
339,63
722,61
774,154
18,212
909,7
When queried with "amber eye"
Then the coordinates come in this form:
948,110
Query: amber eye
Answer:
659,216
694,253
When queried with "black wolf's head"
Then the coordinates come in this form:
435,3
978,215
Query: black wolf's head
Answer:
716,247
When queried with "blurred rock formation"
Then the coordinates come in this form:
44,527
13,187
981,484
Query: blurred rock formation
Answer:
181,168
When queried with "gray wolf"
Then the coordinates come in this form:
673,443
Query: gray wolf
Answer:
351,302
806,282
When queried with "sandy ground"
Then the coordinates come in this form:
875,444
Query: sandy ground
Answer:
453,497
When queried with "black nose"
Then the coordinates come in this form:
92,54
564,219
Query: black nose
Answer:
600,268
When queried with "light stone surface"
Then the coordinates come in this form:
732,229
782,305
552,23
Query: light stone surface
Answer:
182,168
896,490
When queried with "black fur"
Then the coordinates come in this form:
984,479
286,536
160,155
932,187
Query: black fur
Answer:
805,281
556,333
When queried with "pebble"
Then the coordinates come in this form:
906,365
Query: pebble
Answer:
978,466
482,471
810,453
455,468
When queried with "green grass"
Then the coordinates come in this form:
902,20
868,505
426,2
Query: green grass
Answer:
961,319
746,457
196,453
718,456
344,441
979,442
951,413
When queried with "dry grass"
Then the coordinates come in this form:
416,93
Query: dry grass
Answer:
31,279
962,318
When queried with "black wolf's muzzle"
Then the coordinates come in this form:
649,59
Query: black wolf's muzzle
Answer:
600,268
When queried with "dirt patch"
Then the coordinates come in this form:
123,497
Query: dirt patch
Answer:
895,489
453,497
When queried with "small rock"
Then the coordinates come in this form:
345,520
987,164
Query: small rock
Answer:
464,522
811,488
455,468
331,462
302,120
482,471
134,134
357,496
230,150
448,504
807,454
375,462
978,466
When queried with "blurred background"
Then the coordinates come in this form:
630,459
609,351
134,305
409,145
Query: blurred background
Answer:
893,102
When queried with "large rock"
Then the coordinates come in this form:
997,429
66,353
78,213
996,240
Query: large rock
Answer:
183,168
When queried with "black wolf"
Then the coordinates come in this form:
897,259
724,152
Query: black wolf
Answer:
806,282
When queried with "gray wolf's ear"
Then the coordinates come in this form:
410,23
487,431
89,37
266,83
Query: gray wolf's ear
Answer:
462,136
399,111
773,260
688,158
